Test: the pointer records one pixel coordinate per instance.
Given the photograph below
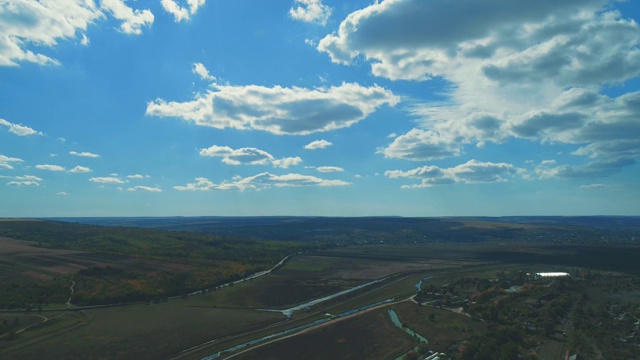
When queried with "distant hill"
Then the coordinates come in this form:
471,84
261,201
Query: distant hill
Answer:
351,230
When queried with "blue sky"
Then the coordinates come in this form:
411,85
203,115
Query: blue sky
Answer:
318,107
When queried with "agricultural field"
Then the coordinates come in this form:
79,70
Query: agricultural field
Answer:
459,296
369,336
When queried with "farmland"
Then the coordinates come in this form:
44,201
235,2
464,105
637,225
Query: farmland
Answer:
194,304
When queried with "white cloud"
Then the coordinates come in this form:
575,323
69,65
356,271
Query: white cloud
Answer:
80,169
278,110
137,176
5,162
50,167
261,181
419,145
145,188
27,25
470,172
318,144
62,193
592,186
23,183
132,20
327,169
84,154
107,180
201,184
516,69
19,130
41,23
248,156
284,163
201,70
28,178
181,12
310,11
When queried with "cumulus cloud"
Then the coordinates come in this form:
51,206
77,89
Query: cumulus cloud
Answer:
248,156
107,180
42,23
201,184
84,154
49,167
310,11
286,162
132,20
418,145
145,188
471,172
23,183
278,110
36,24
182,12
327,169
318,144
28,178
62,193
17,129
80,169
260,181
516,69
137,176
5,161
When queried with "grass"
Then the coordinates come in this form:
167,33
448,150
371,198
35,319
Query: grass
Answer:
146,332
444,330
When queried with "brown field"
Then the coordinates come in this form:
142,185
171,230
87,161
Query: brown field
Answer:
36,263
26,248
368,336
304,278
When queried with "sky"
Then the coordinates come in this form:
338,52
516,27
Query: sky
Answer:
319,108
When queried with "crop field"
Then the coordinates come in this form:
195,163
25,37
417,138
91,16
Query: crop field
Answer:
305,278
368,336
143,332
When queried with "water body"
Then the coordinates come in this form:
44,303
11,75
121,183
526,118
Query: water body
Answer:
419,283
293,330
289,312
397,323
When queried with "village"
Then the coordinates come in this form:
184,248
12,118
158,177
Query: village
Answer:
575,313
